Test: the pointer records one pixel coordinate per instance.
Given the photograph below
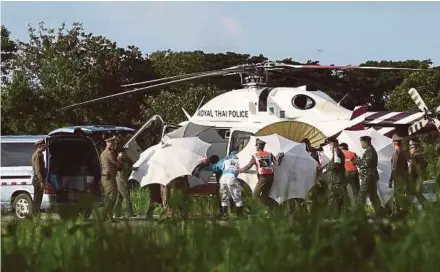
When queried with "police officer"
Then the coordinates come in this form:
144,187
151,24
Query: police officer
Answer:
351,171
264,163
335,172
39,177
110,168
177,186
399,174
122,185
313,152
417,164
368,174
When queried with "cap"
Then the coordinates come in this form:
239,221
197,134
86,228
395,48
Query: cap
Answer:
39,142
397,138
413,143
111,139
306,141
331,140
344,145
260,142
365,138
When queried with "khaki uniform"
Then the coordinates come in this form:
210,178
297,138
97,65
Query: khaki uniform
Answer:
178,185
399,164
110,167
122,185
154,191
417,164
38,179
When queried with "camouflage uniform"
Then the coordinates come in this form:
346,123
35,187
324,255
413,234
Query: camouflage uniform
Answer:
368,176
336,179
122,185
416,176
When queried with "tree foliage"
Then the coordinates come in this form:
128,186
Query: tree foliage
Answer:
65,65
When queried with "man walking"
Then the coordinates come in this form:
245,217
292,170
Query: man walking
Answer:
122,176
351,171
39,176
368,175
110,168
263,161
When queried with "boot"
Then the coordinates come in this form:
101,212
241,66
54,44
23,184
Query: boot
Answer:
223,211
239,211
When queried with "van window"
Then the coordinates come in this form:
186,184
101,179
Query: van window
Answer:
16,154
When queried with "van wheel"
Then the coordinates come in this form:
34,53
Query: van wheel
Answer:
22,206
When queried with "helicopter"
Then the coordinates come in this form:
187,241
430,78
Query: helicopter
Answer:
292,112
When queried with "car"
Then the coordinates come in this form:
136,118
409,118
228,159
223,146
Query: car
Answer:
72,165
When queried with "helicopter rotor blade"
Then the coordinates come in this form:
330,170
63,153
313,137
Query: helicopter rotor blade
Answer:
417,126
340,67
217,73
415,96
175,77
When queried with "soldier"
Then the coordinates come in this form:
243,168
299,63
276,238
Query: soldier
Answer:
335,172
417,164
122,185
368,174
399,174
110,168
264,163
39,176
351,171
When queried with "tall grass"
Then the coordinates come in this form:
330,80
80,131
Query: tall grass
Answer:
290,239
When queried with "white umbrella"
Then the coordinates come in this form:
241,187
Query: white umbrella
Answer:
141,165
174,158
293,178
384,148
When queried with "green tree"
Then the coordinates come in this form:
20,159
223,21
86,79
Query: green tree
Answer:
427,85
65,66
8,50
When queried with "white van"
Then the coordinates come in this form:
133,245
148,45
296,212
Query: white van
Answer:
17,191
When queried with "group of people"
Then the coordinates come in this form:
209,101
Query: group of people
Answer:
345,168
360,173
226,171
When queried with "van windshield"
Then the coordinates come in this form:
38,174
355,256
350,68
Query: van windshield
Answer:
16,154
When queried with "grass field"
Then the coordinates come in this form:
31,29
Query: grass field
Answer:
283,242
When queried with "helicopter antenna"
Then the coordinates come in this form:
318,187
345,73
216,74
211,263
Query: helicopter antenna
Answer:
339,103
200,104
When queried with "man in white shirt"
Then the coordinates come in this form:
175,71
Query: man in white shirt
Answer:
229,186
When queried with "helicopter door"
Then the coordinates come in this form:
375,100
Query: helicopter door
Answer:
238,140
262,100
148,135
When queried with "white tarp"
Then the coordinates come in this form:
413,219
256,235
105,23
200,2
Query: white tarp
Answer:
384,148
164,162
293,178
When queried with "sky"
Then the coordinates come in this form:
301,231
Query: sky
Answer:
332,32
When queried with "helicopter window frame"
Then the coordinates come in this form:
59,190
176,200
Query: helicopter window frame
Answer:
307,106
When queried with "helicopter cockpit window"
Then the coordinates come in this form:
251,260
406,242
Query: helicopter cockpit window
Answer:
303,102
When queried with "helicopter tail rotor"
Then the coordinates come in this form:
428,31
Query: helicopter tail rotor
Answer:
428,117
